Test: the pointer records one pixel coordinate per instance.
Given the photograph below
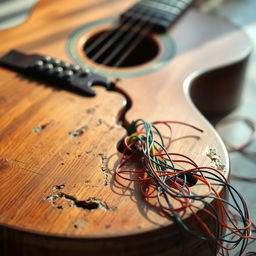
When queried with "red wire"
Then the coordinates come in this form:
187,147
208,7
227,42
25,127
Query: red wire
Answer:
134,152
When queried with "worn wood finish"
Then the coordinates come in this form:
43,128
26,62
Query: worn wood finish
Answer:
33,161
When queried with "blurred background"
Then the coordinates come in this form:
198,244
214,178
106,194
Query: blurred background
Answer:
238,131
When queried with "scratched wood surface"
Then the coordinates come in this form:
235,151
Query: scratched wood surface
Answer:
58,150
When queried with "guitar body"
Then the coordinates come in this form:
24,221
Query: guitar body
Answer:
54,142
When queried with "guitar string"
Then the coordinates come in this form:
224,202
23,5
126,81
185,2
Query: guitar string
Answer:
129,37
131,48
133,26
141,32
118,32
143,28
115,34
102,38
139,37
142,35
118,28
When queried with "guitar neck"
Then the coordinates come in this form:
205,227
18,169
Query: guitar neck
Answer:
155,15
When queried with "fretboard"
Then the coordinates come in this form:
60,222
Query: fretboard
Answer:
156,15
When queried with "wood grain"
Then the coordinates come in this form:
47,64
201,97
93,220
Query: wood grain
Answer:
41,159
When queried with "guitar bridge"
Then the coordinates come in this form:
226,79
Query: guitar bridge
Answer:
54,71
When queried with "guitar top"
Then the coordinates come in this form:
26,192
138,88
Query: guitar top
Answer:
59,148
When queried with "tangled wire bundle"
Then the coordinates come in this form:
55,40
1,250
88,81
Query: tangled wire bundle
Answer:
161,177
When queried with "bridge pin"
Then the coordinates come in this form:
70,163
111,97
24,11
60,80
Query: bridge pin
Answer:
58,70
68,73
39,63
47,58
66,64
49,66
56,61
76,68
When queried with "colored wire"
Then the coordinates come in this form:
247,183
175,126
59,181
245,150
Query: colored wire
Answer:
147,161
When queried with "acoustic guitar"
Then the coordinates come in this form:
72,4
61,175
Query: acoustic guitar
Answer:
61,134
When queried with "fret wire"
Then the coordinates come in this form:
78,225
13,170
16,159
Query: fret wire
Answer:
184,3
163,7
181,3
174,7
146,17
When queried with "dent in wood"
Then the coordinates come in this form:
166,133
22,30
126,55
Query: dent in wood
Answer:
79,131
80,224
215,159
104,168
40,128
89,151
4,164
91,110
59,200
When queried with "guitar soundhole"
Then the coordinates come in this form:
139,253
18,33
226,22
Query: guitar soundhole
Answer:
123,51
